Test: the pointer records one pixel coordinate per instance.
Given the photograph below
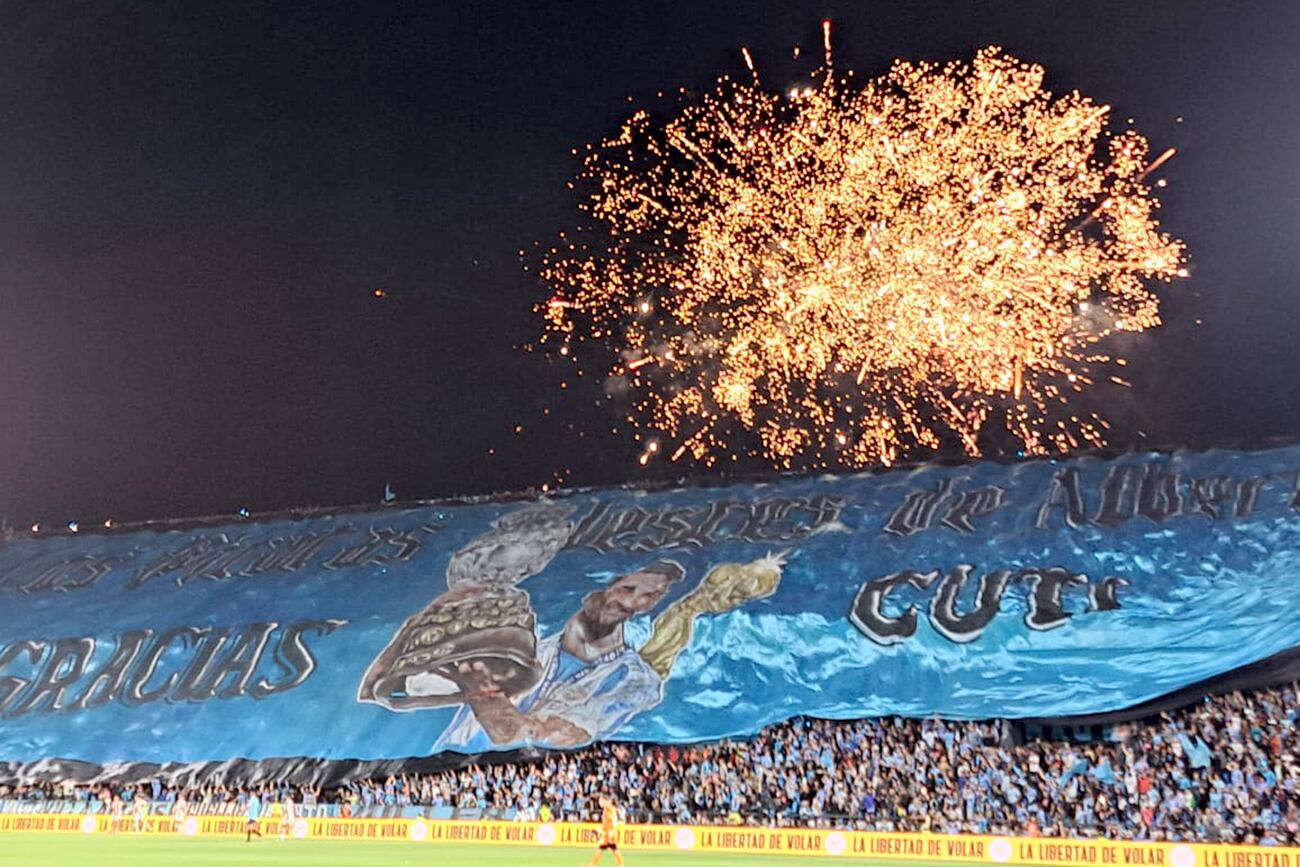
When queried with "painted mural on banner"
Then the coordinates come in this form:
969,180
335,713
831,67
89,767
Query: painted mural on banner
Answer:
1042,589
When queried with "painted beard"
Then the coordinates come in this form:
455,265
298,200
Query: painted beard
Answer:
592,624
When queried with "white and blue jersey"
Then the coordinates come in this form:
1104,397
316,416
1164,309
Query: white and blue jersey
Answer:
598,696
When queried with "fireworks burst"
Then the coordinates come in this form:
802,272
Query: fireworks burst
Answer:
849,272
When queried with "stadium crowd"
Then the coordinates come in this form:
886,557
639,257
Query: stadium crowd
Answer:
1225,769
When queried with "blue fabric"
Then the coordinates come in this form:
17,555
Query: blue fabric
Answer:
1110,582
1197,753
1103,772
1079,767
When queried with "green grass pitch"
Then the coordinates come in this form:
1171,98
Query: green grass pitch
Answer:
104,851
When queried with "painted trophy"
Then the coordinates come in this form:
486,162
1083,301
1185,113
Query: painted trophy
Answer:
482,618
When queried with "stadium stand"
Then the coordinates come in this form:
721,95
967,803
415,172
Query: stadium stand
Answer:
1225,769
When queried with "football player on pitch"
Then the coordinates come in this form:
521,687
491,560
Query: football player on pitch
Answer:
609,823
288,815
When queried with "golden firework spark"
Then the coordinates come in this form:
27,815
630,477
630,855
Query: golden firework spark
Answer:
848,272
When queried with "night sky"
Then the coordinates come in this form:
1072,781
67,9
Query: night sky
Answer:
200,198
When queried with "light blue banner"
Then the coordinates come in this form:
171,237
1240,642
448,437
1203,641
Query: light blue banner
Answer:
1049,588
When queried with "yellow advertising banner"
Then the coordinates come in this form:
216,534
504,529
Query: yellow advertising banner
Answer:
740,840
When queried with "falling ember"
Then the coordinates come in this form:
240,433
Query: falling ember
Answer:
749,63
851,272
1159,161
640,362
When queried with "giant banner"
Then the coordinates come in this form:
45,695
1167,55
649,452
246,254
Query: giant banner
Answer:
1041,589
